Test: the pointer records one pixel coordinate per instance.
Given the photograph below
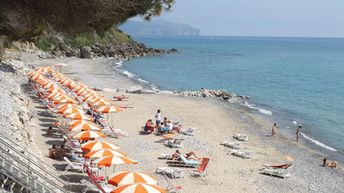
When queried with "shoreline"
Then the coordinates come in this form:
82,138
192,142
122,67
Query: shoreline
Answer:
306,171
288,124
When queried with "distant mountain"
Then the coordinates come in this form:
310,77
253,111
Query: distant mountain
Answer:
159,27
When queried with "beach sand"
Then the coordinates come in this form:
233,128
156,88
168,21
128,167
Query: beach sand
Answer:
215,121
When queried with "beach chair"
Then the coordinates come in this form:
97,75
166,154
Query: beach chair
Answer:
276,172
170,172
115,133
174,143
201,170
282,166
165,156
233,145
184,162
89,186
240,137
121,97
73,165
241,153
188,131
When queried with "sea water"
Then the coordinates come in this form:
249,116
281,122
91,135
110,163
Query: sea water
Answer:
292,80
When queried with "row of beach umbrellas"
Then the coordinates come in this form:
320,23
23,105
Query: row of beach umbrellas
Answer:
57,90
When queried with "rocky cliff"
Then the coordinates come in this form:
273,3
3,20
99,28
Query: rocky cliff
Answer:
62,26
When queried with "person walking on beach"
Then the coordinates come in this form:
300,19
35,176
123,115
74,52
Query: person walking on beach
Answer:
158,118
273,130
298,132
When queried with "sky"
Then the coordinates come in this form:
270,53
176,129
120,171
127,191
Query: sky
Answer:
284,18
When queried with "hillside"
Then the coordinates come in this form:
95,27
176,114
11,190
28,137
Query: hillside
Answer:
159,27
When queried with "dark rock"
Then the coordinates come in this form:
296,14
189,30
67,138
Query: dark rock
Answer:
85,52
172,51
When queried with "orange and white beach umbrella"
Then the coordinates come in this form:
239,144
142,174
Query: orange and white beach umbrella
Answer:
101,103
109,109
77,116
88,135
37,76
138,188
114,160
63,101
84,126
68,105
54,89
131,177
77,122
103,153
98,145
70,110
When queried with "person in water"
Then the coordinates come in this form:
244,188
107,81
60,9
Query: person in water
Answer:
298,133
273,130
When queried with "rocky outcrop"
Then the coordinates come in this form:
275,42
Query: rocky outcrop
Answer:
219,94
85,52
14,114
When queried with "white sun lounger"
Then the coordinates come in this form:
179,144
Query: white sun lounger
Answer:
240,137
170,172
116,133
188,131
241,153
277,172
174,143
73,165
233,145
165,156
89,186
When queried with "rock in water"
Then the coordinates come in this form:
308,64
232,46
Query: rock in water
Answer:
85,52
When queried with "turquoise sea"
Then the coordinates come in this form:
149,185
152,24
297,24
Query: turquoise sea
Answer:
290,80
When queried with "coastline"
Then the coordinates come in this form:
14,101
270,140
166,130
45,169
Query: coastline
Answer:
306,172
286,120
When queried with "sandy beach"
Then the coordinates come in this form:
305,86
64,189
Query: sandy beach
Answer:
214,121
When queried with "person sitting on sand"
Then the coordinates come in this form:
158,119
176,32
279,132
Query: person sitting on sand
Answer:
328,163
50,131
189,156
177,127
167,128
52,152
149,128
165,121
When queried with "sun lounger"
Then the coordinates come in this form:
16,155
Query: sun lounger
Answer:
170,172
116,133
165,156
73,165
90,186
240,137
184,162
282,166
188,131
241,153
233,145
174,143
277,172
201,170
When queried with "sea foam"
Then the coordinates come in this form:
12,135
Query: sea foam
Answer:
318,143
264,111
